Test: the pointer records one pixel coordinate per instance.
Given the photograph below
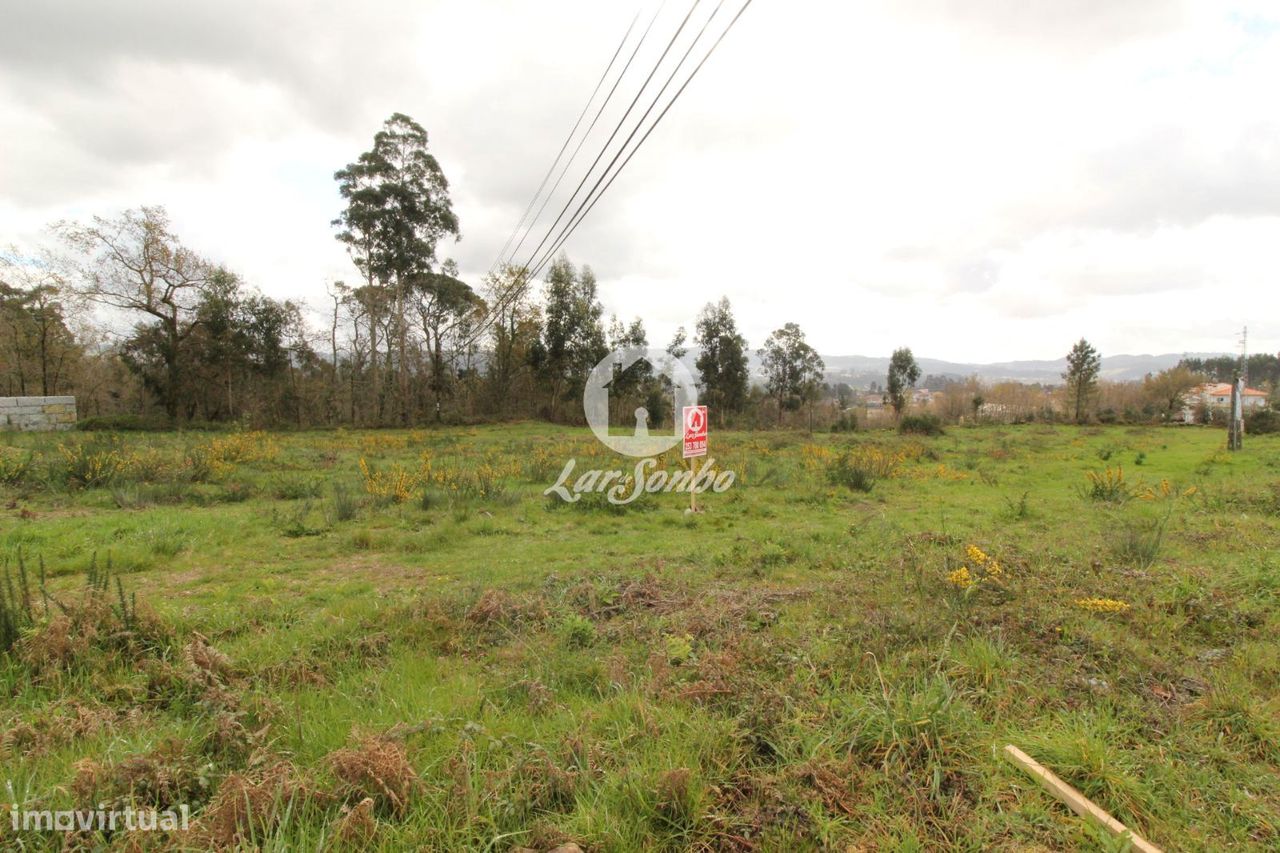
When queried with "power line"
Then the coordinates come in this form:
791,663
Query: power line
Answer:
569,138
537,250
599,112
589,200
578,217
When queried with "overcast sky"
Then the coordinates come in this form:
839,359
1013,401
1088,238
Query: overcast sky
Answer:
979,181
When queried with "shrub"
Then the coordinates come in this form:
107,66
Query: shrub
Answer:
859,468
295,488
221,454
394,485
345,504
99,627
845,423
236,492
577,632
90,464
1262,422
678,648
122,423
1107,485
15,466
294,522
920,425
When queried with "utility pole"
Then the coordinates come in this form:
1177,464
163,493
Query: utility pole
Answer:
1235,429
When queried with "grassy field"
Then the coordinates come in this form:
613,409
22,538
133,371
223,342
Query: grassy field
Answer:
391,640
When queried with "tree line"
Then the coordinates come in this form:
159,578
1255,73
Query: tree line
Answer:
134,322
409,342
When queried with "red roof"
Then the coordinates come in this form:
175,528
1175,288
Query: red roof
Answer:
1223,389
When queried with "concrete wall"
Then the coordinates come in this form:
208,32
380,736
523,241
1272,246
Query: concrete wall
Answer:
37,413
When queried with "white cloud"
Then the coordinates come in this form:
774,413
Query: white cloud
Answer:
979,181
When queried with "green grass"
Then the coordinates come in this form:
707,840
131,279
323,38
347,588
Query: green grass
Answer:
790,669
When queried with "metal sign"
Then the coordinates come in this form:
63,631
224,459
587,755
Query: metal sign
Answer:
695,431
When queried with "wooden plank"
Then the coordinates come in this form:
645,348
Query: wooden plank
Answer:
1074,800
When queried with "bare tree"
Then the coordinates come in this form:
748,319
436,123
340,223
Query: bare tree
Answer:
136,264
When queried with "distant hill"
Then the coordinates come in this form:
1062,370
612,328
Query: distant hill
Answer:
861,370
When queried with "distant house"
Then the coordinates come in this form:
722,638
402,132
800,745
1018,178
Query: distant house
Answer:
921,396
1217,395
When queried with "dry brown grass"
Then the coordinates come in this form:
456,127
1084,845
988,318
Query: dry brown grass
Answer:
379,768
89,634
497,608
165,777
247,807
204,659
356,827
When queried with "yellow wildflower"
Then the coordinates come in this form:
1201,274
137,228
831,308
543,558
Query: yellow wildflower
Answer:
1102,605
960,578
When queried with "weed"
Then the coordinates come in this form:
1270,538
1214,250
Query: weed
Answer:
917,728
15,466
1084,750
858,469
17,612
1018,510
293,523
1108,485
678,801
344,505
678,647
295,488
1102,605
577,632
1138,543
236,492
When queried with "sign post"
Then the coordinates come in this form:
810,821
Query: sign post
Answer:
695,445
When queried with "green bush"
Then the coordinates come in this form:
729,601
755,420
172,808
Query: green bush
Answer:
15,465
920,425
293,488
92,463
859,468
577,631
1262,422
346,503
122,423
845,423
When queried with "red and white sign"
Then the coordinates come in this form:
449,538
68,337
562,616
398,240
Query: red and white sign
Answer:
695,431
